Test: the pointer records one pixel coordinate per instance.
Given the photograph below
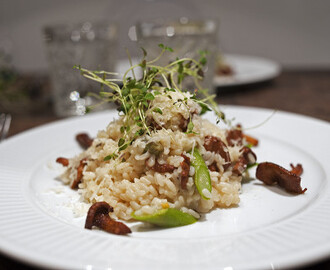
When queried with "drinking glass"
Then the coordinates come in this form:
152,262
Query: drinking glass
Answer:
186,37
92,46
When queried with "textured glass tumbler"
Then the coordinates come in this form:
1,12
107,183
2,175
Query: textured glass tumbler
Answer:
91,46
187,38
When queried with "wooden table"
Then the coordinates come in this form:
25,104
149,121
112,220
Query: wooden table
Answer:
302,92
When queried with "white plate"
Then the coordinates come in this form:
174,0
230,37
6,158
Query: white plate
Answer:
247,69
270,228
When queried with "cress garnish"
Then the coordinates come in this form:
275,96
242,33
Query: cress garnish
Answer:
133,96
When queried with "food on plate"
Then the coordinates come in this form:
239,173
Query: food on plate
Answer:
271,173
168,217
98,215
160,161
84,140
63,161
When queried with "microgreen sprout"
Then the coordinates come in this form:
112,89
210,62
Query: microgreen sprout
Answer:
134,95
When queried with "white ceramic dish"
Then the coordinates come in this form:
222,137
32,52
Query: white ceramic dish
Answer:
248,69
270,229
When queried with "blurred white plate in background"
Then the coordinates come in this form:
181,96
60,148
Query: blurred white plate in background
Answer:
247,69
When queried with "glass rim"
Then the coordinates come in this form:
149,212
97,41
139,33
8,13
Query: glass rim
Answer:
176,26
78,31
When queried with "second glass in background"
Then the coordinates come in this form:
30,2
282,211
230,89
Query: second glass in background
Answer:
92,46
186,37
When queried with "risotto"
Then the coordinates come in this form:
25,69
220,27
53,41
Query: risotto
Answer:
160,153
130,183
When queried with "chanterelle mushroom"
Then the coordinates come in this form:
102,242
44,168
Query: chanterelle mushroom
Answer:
215,144
98,215
80,169
248,157
63,161
271,173
84,140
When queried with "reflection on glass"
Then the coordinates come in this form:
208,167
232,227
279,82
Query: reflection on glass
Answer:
92,46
